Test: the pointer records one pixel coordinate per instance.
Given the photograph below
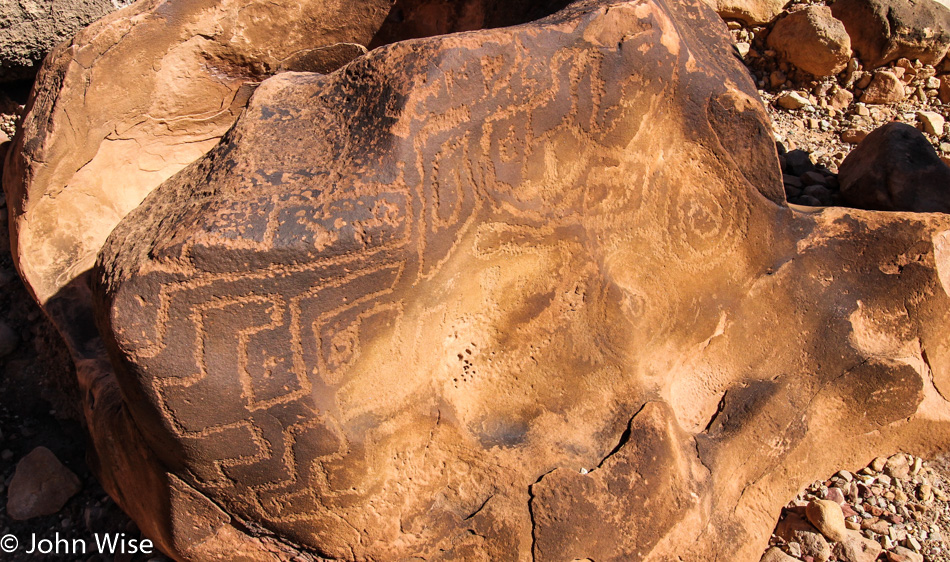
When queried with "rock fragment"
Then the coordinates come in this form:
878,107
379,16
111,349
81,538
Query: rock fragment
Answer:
813,40
885,30
827,517
40,486
885,88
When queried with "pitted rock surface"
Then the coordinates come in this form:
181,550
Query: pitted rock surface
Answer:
520,292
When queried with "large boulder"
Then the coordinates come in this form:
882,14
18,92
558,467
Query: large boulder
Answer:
895,168
520,293
29,29
813,40
885,30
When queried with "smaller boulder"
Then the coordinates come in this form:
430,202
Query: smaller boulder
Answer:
885,30
813,40
901,554
895,168
884,88
854,547
828,518
41,485
794,529
751,12
775,554
931,122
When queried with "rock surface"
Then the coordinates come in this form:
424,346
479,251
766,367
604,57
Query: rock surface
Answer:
813,40
87,156
463,236
895,169
749,11
29,29
40,485
886,30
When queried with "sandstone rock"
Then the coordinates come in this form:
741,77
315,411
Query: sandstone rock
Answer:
749,11
944,92
884,88
813,40
885,30
856,548
841,99
40,486
901,554
86,155
827,517
522,293
775,554
792,100
931,121
853,136
895,169
795,529
29,29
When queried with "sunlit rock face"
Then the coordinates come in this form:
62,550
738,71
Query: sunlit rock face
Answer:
510,294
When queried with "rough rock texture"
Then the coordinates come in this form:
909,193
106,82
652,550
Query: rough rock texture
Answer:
884,88
895,169
534,280
886,30
40,485
29,29
513,293
813,40
749,11
138,95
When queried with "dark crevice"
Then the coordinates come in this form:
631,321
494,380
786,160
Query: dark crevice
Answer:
624,437
413,19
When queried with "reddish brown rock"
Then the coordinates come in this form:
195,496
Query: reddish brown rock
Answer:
813,40
895,168
856,548
40,486
885,30
522,293
885,88
86,155
751,12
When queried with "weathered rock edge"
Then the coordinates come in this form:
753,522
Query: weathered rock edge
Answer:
585,207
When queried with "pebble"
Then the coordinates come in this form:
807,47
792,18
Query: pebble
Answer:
792,100
40,486
931,122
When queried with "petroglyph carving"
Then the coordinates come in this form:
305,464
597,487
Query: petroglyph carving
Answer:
510,294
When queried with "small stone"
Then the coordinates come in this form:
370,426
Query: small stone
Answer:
915,467
885,88
925,493
864,80
853,136
775,554
792,181
856,548
932,83
848,477
777,78
792,100
814,178
828,518
897,466
901,554
913,544
743,49
931,121
834,493
861,109
841,99
41,485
